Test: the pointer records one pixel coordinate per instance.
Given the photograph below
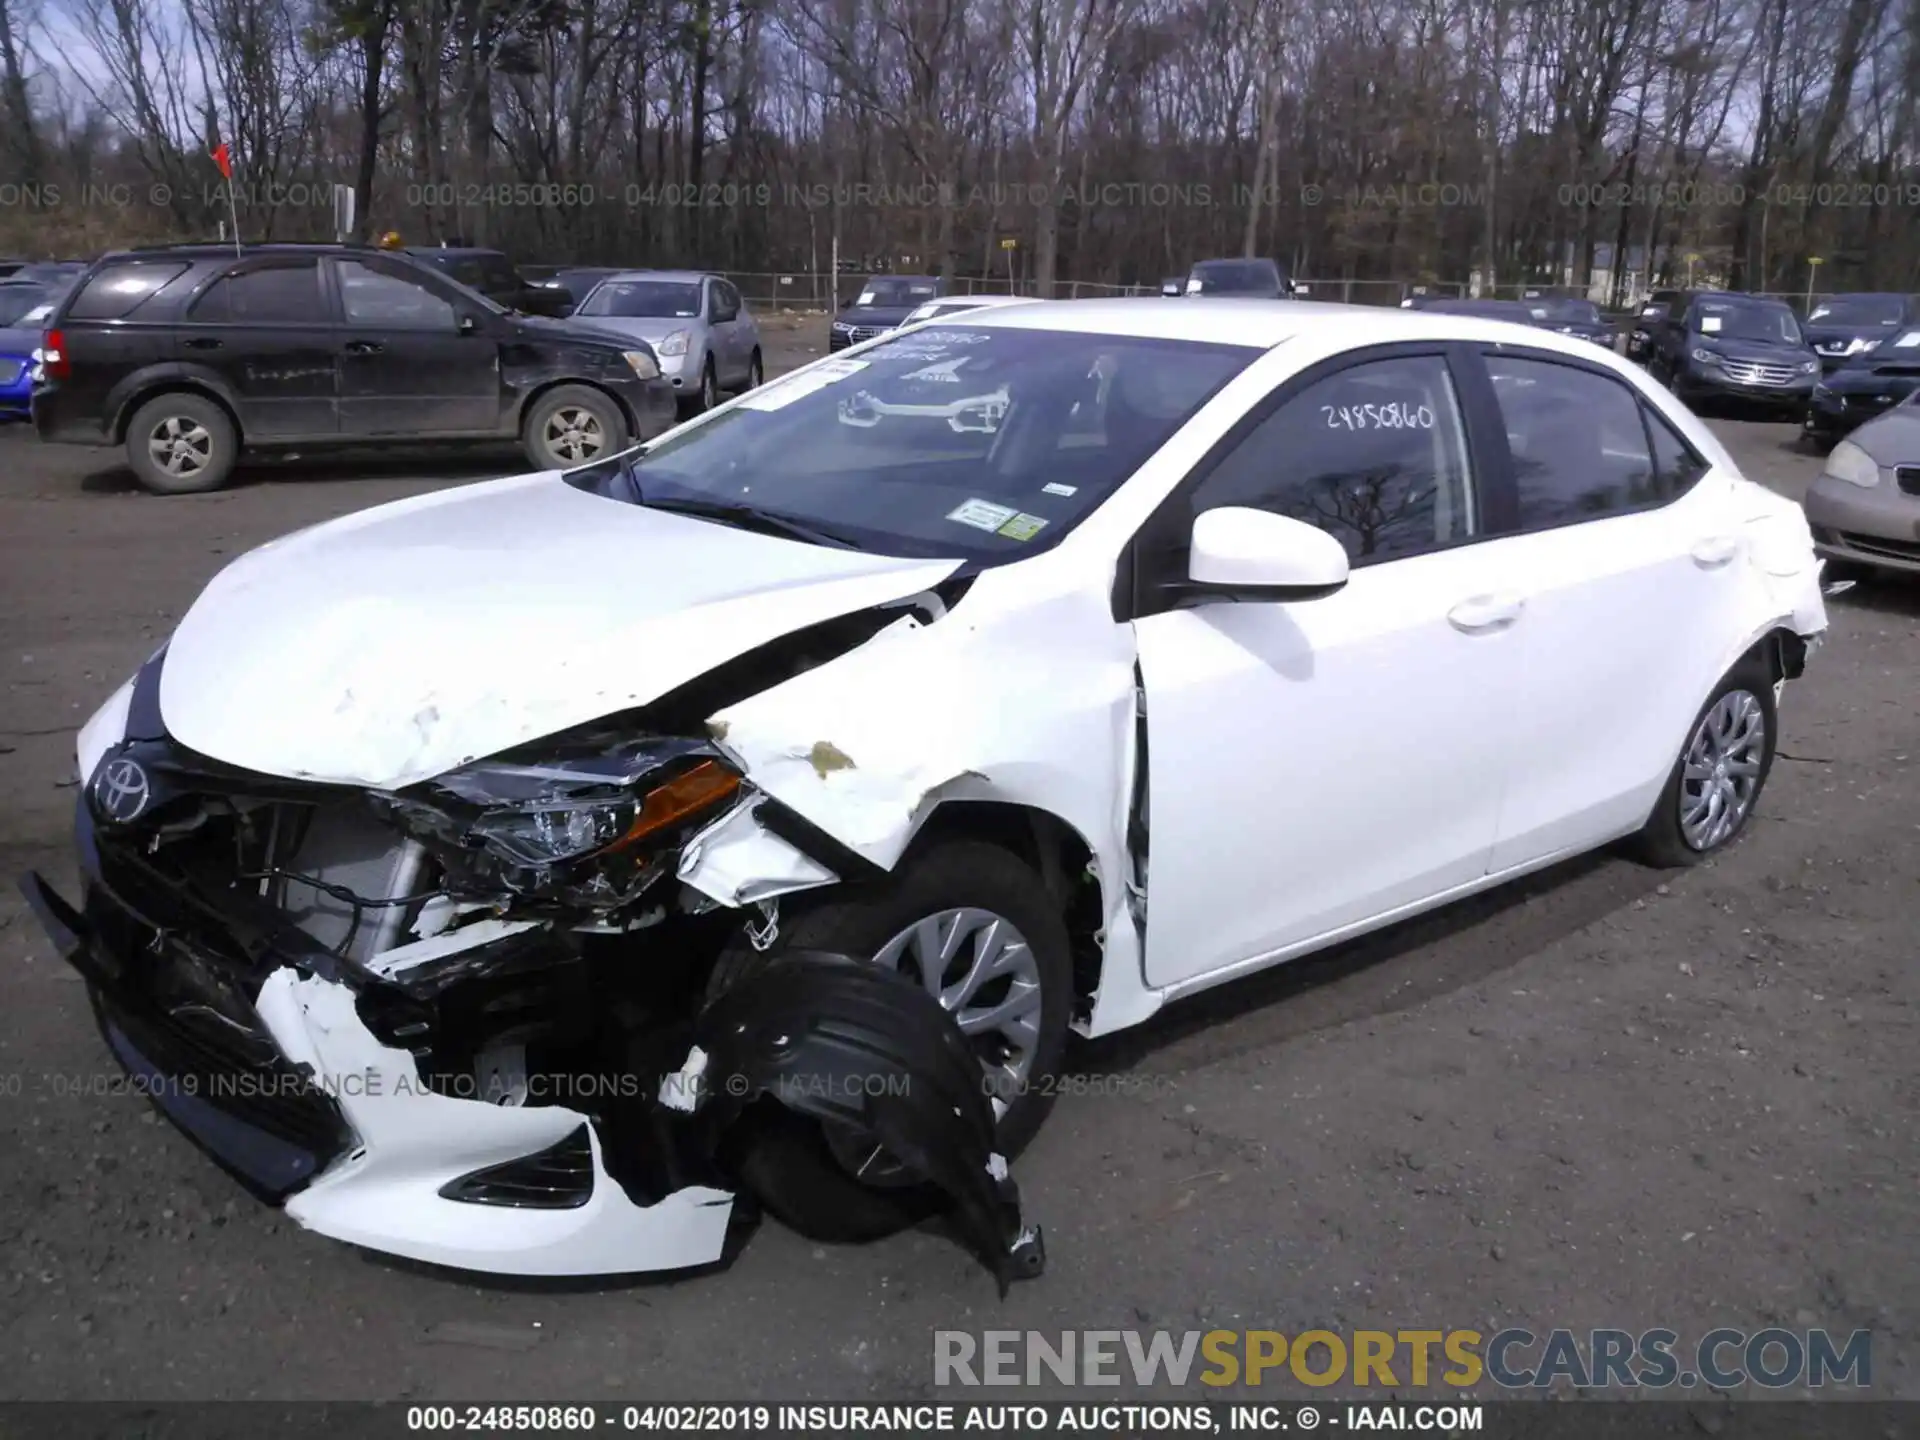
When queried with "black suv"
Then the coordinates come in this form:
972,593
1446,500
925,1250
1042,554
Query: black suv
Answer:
1722,344
494,276
190,354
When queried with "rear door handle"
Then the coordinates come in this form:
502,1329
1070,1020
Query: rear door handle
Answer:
1483,614
202,342
364,347
1714,551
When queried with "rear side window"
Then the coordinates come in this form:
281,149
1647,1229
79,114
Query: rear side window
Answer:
1675,466
1579,446
275,295
117,290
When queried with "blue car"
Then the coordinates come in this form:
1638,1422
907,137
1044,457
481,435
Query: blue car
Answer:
25,307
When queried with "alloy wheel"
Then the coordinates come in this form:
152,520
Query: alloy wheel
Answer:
1721,774
575,434
180,446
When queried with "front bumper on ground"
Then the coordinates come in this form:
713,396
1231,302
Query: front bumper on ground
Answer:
293,1095
1878,526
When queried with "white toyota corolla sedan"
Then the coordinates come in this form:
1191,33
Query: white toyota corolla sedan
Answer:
539,876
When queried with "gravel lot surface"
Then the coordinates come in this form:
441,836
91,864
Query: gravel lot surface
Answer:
1607,1097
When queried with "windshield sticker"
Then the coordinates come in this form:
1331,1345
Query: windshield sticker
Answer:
984,514
1908,340
1055,488
1392,415
784,392
945,372
1022,527
1709,324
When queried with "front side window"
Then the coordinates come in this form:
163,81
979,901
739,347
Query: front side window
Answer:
1578,444
379,297
978,444
267,295
1375,455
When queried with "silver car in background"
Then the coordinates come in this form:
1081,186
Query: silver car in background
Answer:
696,323
947,305
1864,506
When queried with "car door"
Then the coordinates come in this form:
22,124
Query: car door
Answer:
266,329
413,360
723,330
1317,765
1628,564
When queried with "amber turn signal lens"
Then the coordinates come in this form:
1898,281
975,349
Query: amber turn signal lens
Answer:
706,784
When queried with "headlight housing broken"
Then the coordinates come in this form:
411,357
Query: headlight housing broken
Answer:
582,818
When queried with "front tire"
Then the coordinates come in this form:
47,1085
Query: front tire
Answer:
571,426
181,444
756,372
1715,785
977,927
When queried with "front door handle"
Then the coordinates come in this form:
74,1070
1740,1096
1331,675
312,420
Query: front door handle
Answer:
202,342
1483,614
1714,551
364,347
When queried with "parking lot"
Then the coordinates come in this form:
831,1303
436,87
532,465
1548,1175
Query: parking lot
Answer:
1606,1097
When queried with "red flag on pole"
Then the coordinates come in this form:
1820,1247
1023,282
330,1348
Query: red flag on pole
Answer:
223,159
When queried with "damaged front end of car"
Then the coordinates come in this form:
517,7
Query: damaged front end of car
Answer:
454,1021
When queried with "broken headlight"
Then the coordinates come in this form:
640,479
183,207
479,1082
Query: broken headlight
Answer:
582,819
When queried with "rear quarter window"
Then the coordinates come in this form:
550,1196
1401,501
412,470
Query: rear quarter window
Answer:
117,290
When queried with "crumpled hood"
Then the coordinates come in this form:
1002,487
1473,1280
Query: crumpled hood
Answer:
389,646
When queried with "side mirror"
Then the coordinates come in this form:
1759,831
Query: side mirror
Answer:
1239,553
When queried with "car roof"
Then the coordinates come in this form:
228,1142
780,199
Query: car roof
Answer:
1259,324
678,277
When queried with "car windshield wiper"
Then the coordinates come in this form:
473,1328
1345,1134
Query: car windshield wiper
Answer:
751,517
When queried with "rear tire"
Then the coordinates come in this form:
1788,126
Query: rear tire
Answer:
181,443
571,426
1729,752
756,372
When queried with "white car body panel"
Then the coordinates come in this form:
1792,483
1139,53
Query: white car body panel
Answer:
1327,775
395,644
1316,769
386,1193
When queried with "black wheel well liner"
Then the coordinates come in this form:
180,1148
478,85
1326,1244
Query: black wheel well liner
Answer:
167,385
1784,652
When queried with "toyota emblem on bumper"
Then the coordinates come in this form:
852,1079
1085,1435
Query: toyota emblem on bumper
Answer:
121,791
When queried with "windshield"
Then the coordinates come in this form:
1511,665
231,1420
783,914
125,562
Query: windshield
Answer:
893,291
1485,309
1235,277
1886,310
17,301
662,299
979,444
1571,312
1767,324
